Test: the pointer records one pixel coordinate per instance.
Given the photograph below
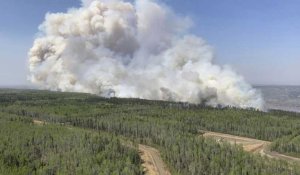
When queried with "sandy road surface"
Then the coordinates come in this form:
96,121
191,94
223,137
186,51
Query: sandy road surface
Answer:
153,163
250,145
38,122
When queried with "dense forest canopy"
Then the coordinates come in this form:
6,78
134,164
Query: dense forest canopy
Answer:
99,125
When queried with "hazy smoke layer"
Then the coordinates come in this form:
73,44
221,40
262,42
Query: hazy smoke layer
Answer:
116,48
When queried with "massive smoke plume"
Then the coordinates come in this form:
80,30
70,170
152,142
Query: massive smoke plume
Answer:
142,50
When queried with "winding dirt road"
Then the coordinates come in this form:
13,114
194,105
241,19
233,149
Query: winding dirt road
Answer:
153,163
250,145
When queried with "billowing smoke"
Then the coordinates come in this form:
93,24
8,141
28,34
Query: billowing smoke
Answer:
141,50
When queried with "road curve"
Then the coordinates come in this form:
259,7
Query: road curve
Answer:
250,145
153,163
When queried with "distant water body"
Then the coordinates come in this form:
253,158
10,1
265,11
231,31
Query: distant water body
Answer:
281,97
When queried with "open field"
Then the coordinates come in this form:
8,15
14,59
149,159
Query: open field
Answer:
250,145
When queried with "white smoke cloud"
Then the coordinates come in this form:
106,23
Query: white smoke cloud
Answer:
141,50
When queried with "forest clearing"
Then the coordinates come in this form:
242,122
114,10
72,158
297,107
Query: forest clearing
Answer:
57,132
250,145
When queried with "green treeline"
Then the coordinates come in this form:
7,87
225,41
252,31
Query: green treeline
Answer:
171,127
288,145
50,149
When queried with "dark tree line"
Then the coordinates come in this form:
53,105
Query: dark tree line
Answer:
51,149
171,127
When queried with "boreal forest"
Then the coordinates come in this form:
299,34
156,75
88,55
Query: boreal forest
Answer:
49,133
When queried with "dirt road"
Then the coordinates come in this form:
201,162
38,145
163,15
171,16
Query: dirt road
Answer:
38,122
153,163
250,145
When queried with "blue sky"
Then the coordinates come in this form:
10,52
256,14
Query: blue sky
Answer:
258,38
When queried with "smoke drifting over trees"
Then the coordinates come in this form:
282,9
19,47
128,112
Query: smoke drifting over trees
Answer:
141,49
